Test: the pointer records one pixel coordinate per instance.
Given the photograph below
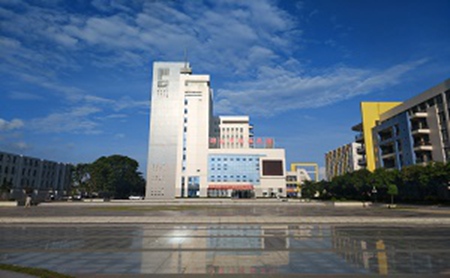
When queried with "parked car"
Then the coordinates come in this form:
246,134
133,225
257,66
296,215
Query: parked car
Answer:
133,197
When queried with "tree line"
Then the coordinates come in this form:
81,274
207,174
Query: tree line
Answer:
114,176
416,183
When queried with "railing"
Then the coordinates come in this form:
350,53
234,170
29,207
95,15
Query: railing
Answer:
359,137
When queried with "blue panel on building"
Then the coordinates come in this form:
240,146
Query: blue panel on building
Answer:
234,168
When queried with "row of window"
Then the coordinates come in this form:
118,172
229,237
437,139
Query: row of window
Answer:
28,173
224,179
232,159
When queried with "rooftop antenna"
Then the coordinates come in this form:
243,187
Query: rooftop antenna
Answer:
186,69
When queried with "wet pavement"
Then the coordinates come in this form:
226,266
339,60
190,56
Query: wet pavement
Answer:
201,240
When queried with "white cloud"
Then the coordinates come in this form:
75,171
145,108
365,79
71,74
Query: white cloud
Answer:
77,120
129,103
276,90
229,31
21,145
24,96
250,44
116,116
119,136
10,125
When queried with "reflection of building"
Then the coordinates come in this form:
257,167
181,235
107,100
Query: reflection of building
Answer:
20,173
344,159
193,154
253,249
391,250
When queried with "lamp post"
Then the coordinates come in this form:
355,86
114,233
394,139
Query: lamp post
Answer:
374,194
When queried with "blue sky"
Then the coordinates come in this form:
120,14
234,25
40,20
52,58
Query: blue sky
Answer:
75,75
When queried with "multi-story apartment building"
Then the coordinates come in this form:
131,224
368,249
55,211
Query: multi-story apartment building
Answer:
345,159
415,132
194,154
27,175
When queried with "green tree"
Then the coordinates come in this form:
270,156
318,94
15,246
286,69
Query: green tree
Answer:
381,178
81,178
5,188
116,176
309,189
392,191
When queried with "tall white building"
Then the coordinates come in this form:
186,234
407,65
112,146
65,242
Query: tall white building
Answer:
194,154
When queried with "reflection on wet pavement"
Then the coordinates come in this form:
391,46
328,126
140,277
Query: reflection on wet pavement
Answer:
311,249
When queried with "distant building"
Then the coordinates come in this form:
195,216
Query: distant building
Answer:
298,174
28,175
195,154
345,159
294,182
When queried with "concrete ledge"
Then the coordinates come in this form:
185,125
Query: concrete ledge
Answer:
282,220
352,204
95,200
9,203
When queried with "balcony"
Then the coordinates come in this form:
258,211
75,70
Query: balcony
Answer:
358,127
421,131
359,138
426,148
361,150
388,155
419,115
423,146
362,162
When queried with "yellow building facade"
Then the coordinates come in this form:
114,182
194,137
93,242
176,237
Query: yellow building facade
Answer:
370,114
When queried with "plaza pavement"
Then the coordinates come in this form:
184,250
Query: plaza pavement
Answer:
224,211
159,217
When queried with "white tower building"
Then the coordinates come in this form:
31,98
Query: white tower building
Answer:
179,131
193,154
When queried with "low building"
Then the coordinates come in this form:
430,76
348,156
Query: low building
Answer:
21,175
296,177
246,173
